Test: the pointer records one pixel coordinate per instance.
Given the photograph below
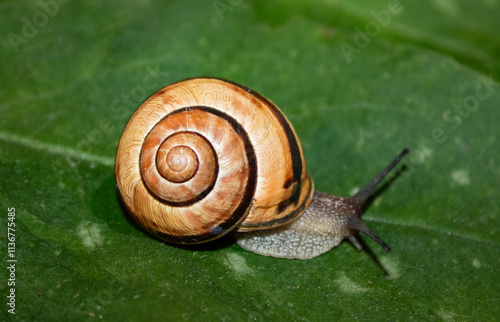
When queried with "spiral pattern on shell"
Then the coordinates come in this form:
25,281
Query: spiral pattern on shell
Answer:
203,156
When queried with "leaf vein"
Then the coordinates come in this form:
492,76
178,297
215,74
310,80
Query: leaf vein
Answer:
71,155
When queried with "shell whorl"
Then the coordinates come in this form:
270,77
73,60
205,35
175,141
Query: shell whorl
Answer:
203,156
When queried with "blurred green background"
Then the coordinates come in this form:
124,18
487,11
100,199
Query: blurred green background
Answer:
359,80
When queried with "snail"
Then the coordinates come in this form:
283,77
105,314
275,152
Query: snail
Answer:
205,156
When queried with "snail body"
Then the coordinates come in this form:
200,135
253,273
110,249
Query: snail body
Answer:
203,157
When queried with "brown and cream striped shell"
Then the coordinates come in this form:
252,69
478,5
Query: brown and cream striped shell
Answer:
204,156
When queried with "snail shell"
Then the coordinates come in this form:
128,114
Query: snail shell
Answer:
204,156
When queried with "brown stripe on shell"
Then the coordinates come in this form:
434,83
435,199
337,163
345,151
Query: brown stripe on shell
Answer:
291,215
293,142
295,153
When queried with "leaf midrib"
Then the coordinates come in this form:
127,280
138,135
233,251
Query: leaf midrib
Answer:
55,149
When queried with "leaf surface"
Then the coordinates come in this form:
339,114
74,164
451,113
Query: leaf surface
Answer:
427,81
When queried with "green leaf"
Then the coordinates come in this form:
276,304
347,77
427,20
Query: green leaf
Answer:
73,73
